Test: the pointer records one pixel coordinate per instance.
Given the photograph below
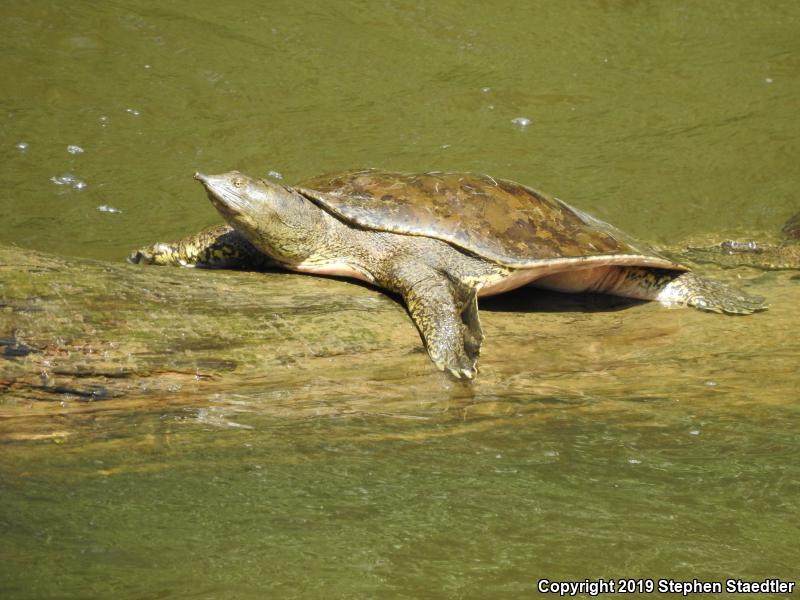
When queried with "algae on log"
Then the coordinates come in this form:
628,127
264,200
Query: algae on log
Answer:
82,341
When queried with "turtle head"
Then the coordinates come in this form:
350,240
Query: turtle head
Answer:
276,219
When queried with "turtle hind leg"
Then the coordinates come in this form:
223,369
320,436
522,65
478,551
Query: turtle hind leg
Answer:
673,288
706,294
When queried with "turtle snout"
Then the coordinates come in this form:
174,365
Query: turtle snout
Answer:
200,177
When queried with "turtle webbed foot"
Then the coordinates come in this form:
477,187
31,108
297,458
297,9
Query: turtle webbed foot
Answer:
454,344
457,361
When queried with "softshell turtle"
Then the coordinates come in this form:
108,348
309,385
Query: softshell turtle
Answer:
440,240
754,253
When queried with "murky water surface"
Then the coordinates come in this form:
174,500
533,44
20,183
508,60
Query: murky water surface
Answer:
638,443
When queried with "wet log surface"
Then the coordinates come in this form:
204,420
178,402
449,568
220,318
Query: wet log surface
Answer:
90,331
80,339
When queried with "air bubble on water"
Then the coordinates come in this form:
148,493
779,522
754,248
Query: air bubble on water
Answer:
108,209
711,383
70,180
103,121
694,432
634,461
768,80
147,66
73,149
132,111
486,90
22,146
65,179
274,175
445,146
490,107
521,122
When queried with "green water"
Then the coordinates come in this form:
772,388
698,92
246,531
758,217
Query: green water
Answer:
320,508
668,119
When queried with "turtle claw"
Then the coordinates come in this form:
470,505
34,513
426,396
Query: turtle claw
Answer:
469,373
140,257
460,371
458,367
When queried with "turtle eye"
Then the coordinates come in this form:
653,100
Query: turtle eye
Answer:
238,182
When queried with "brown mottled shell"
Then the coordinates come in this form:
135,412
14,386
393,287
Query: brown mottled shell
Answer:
496,219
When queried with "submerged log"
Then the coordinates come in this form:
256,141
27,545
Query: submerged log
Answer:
84,337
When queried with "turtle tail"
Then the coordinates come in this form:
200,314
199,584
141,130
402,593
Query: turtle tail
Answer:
706,294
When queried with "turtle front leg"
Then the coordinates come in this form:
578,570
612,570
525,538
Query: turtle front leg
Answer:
216,247
446,313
